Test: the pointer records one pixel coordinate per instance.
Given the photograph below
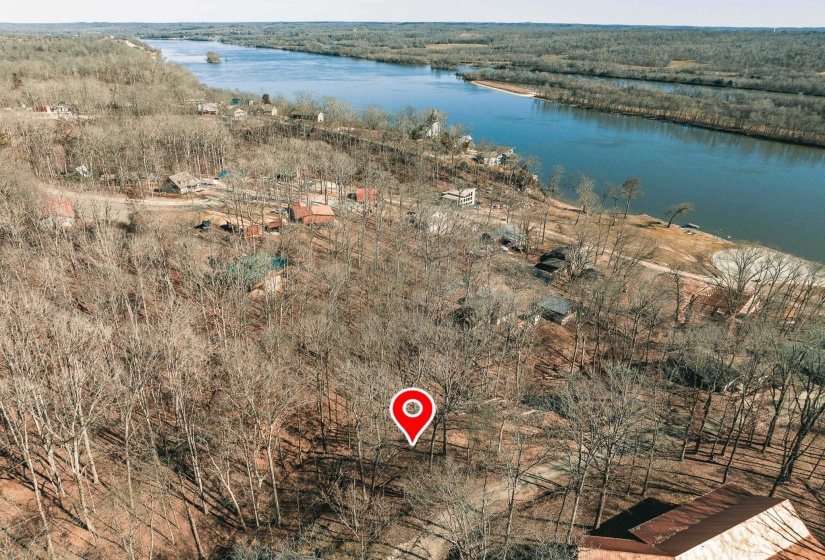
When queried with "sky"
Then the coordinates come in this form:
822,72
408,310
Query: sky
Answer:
727,13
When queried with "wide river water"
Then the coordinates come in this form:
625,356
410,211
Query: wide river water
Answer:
743,188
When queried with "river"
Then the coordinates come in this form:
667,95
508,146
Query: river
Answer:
743,188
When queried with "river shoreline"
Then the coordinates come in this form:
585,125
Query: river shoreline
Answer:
739,172
641,112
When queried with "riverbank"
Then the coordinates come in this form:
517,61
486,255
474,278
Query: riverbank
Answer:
686,116
506,88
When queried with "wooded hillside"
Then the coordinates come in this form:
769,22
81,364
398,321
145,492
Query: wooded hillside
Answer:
155,403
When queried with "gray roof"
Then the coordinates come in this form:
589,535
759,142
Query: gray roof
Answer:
556,304
183,180
510,232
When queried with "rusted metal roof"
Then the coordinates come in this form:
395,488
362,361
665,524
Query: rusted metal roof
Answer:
727,524
606,548
666,525
714,525
806,549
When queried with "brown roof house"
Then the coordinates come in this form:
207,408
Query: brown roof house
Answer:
179,183
727,524
312,213
57,213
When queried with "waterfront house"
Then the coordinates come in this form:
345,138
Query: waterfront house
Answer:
496,156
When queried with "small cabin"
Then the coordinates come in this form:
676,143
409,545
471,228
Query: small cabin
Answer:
312,213
557,309
179,183
508,234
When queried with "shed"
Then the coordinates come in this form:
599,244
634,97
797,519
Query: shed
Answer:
556,308
179,183
312,213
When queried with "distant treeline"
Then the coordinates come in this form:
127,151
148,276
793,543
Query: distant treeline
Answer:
783,60
796,119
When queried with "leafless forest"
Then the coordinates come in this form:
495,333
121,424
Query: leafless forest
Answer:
153,407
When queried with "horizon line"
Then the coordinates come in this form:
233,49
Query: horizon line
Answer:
408,22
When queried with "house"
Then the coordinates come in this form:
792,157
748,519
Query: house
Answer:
508,234
430,130
496,156
433,222
207,108
312,213
488,308
259,271
57,213
463,197
727,524
179,183
297,116
552,267
467,143
366,195
252,231
556,309
559,253
236,114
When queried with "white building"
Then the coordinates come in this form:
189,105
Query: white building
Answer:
464,197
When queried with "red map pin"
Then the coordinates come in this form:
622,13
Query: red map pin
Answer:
412,423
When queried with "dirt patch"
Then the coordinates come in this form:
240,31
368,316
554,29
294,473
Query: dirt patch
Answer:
677,64
508,88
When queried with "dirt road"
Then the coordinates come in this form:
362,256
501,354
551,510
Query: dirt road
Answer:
430,543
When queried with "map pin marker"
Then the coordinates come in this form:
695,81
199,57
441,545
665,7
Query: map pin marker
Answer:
412,424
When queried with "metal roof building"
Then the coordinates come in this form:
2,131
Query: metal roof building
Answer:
727,524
